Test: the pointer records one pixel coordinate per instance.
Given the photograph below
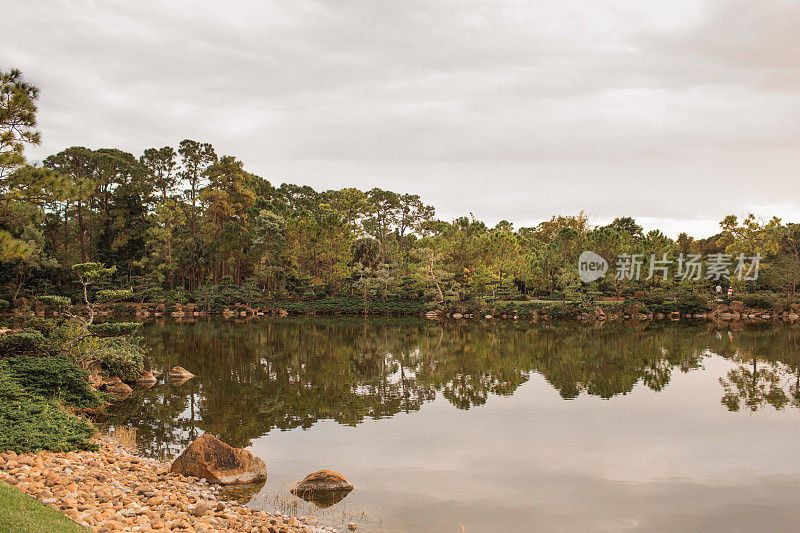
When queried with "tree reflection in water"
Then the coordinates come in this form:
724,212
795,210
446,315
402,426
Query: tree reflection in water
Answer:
259,375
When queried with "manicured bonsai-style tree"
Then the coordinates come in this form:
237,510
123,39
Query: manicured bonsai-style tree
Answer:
89,274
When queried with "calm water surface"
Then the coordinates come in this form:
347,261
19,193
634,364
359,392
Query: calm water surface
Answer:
501,426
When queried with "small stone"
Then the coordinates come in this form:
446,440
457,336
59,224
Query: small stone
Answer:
200,510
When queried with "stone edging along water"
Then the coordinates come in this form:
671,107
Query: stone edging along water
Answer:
715,311
115,490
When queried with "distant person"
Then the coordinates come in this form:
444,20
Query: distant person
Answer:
730,291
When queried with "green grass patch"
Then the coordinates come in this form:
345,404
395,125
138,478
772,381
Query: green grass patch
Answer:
20,513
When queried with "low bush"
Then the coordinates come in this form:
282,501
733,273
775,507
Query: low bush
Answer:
122,357
691,302
563,310
758,301
55,302
42,325
30,422
114,329
53,377
26,342
118,356
354,306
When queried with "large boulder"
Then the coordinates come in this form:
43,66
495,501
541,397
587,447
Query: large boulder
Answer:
209,458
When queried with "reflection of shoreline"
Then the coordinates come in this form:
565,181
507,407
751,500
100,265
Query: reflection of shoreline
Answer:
291,373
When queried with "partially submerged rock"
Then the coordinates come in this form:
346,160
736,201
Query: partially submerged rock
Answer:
178,373
323,487
117,389
146,379
209,458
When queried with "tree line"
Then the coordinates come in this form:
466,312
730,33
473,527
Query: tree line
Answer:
174,220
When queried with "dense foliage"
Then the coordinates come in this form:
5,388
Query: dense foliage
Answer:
30,422
184,223
52,377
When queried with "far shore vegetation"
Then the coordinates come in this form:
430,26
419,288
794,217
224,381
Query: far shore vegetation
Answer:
184,224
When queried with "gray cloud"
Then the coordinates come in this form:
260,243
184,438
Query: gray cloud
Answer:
677,113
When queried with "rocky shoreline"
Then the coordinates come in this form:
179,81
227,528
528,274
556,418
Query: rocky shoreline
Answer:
115,490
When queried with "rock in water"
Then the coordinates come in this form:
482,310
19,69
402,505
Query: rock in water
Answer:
117,389
323,480
146,378
209,458
179,372
324,488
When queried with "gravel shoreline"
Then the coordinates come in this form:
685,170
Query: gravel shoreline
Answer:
115,490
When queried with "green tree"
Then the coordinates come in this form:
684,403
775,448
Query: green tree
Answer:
196,157
17,119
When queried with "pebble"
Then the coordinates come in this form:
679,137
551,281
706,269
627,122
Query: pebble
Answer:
114,490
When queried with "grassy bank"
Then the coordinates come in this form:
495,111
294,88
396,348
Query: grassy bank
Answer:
21,513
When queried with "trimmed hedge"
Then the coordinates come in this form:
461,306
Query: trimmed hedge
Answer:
114,329
25,342
758,301
53,377
353,306
30,422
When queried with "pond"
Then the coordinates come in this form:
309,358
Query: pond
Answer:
493,425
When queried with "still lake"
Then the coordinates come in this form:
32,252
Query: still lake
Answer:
483,426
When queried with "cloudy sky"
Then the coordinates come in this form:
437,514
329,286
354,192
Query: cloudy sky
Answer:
677,112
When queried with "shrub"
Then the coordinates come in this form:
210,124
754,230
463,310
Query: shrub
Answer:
26,342
562,310
53,377
118,356
660,304
691,303
354,306
107,296
42,325
60,303
30,422
122,357
114,329
758,301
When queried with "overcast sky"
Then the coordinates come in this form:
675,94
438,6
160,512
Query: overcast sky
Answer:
676,113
